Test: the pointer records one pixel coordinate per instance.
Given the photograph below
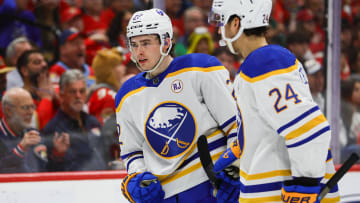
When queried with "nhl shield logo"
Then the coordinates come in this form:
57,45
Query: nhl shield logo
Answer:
170,129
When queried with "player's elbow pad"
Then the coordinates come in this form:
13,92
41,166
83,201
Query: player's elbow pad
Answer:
228,157
300,190
142,188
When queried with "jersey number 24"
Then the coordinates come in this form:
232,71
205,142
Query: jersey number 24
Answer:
289,95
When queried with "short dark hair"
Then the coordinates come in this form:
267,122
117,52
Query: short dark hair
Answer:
258,31
23,60
297,38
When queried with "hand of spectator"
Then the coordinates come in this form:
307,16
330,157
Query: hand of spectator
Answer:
30,138
61,142
45,88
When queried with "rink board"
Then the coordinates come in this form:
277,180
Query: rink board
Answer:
102,186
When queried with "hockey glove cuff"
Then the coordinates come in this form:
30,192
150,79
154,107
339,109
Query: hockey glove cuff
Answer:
142,188
229,189
228,157
300,190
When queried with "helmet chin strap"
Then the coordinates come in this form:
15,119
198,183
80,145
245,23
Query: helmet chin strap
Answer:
157,64
228,41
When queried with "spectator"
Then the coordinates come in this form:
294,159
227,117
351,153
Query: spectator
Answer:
22,150
46,13
117,29
3,71
298,43
34,72
316,81
109,71
350,104
193,18
13,52
82,138
91,17
72,56
71,17
200,41
229,60
11,29
116,6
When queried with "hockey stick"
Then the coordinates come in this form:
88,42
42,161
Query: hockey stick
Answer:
207,163
338,175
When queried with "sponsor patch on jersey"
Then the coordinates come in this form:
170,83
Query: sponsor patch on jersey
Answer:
170,129
177,86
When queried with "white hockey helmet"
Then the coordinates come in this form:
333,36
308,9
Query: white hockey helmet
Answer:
252,14
152,21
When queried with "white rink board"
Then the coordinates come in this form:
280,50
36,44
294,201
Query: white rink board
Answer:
109,191
82,191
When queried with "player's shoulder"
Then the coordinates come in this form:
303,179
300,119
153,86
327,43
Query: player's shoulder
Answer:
267,60
132,84
195,60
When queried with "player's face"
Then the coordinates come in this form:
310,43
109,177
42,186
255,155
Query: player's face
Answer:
146,50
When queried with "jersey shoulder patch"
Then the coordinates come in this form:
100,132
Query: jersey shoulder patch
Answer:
266,60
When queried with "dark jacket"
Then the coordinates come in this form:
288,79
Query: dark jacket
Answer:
86,143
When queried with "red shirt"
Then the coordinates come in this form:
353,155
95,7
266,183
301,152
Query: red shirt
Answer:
92,24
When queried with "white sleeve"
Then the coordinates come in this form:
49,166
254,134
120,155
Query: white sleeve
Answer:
130,141
285,102
216,90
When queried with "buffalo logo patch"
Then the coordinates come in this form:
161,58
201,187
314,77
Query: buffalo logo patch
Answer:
170,129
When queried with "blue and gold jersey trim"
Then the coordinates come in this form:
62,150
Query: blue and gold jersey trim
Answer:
267,61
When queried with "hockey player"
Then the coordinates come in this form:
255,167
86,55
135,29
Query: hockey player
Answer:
283,144
162,111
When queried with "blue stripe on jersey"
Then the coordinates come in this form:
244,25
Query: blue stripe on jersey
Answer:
130,154
232,135
267,59
329,156
266,187
313,136
212,146
227,122
299,118
187,61
131,160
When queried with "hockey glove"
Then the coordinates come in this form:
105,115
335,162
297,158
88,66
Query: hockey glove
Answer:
228,157
300,190
229,189
142,188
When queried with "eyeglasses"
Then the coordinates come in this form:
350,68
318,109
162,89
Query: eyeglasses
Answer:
28,107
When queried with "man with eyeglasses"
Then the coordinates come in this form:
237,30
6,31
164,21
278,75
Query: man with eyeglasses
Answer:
20,144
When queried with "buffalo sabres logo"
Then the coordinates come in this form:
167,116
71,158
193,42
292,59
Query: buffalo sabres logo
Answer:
170,129
240,130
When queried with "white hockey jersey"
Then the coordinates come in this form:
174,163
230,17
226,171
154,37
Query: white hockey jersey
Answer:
159,120
284,134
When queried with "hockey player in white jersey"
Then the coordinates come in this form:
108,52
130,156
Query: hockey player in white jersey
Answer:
162,111
283,144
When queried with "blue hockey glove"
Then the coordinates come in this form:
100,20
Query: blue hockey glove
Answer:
229,189
142,188
300,190
228,157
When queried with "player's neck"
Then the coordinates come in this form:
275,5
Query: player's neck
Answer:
163,66
251,43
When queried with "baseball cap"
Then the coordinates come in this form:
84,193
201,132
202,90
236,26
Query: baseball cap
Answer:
312,66
3,67
69,14
68,35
